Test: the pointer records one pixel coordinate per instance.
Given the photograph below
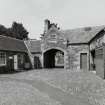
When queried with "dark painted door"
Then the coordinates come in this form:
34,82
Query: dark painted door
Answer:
83,61
11,64
37,63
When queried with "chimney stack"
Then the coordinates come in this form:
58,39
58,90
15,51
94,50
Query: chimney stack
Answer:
46,25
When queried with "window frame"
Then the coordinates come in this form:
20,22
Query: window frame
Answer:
4,58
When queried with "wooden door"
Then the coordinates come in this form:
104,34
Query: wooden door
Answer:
83,61
10,64
37,63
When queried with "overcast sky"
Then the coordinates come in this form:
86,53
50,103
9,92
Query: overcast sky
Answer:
67,13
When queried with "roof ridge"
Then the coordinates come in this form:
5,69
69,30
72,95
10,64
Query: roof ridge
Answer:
11,38
12,44
83,27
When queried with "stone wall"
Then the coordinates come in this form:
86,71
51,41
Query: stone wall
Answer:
74,52
95,44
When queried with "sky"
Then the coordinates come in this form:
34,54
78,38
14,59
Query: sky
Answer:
68,14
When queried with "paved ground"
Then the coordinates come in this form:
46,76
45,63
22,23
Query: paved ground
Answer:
51,87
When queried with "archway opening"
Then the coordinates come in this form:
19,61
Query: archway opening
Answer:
54,58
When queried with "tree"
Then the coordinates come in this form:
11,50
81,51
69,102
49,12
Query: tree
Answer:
3,30
19,31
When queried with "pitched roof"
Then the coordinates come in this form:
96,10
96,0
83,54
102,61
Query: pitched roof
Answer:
12,44
34,46
81,35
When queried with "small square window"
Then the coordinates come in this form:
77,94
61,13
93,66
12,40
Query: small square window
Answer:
53,36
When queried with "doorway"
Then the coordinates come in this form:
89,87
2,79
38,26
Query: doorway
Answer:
54,58
83,61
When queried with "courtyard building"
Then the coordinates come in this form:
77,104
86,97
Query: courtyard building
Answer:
74,49
13,54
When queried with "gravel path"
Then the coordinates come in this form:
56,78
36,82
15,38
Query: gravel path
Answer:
61,87
56,95
17,92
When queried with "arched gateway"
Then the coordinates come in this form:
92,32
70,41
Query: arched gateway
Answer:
53,47
53,58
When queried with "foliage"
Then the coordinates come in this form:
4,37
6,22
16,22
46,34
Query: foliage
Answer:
17,31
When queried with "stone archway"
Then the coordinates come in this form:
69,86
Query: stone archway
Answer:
53,58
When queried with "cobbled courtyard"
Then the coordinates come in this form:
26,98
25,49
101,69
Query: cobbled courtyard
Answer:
52,87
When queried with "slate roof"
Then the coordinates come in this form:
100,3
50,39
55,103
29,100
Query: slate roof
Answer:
81,35
12,44
35,46
75,36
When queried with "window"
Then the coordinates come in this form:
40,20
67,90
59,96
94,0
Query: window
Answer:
53,36
2,58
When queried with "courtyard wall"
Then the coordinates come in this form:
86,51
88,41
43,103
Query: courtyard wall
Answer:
74,52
